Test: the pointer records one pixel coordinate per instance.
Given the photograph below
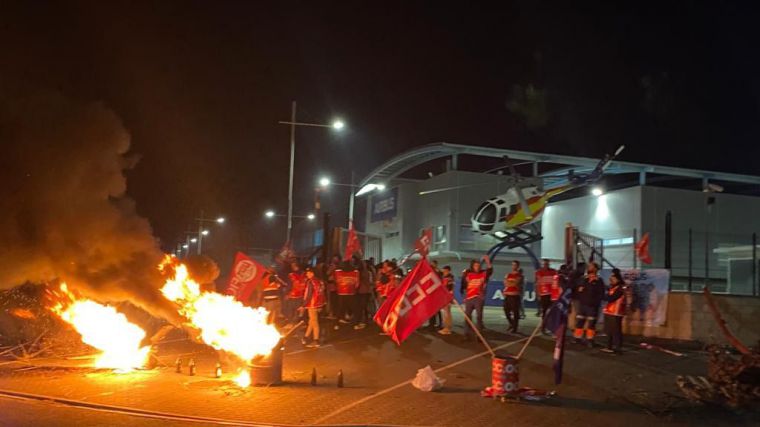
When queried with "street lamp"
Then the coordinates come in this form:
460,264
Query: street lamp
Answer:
204,232
337,125
311,217
597,191
324,182
269,214
220,220
194,240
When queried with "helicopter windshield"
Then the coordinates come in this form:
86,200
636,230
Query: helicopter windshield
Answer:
486,216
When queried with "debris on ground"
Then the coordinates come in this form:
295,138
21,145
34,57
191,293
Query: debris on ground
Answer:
427,380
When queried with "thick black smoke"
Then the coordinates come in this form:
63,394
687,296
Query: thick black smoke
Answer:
63,210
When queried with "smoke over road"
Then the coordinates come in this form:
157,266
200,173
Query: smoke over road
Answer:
63,210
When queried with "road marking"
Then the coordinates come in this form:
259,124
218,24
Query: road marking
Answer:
407,382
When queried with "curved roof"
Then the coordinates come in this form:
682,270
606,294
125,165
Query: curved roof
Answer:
423,154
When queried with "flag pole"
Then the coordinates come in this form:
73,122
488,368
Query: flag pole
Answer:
527,343
469,321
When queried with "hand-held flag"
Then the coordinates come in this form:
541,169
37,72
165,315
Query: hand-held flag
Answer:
642,249
245,275
420,295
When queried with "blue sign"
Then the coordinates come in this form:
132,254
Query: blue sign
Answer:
384,206
495,297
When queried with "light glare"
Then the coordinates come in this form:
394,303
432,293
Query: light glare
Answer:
338,125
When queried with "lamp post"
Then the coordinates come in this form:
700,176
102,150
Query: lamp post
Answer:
336,125
202,231
325,182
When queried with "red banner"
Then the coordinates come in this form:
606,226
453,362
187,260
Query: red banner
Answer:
419,296
422,245
245,275
352,244
642,249
346,282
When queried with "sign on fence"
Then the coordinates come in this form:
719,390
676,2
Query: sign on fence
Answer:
646,295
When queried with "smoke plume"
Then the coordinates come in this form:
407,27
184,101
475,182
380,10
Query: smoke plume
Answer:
63,210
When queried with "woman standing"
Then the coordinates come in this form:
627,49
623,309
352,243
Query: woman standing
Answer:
313,301
614,311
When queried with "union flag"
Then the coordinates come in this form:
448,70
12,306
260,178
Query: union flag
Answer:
245,275
352,244
642,249
422,245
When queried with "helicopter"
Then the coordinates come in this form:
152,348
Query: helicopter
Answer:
513,214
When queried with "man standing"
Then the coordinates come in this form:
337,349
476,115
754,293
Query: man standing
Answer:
473,287
313,301
544,280
346,284
448,282
513,286
270,295
294,298
589,292
614,311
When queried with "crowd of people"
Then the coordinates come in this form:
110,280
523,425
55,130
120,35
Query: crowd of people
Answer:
347,293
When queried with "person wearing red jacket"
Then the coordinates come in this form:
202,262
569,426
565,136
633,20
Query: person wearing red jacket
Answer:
614,310
473,287
313,301
448,282
513,290
296,289
544,280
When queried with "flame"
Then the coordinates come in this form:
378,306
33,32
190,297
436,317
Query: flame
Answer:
223,322
243,379
23,313
104,328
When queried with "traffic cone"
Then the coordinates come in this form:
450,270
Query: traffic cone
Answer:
178,366
313,376
191,366
340,378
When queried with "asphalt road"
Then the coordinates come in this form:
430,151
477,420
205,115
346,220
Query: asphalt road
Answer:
633,389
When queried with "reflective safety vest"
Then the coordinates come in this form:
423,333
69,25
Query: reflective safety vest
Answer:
476,284
270,288
384,289
556,290
512,283
617,307
297,285
346,282
315,294
544,281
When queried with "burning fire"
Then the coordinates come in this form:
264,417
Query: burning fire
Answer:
104,328
222,322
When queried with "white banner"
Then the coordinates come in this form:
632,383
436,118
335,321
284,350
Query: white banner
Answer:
646,295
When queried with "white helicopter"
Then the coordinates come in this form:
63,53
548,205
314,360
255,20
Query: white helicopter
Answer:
508,215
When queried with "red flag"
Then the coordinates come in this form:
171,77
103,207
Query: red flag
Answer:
352,244
642,249
419,296
245,275
422,245
286,254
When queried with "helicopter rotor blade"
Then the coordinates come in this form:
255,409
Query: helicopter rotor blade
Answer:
455,187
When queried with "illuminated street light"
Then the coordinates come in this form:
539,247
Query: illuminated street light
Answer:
370,188
336,125
596,191
310,216
194,240
185,246
324,181
220,220
205,232
269,214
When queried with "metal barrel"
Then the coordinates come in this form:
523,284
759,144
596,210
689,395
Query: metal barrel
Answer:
267,370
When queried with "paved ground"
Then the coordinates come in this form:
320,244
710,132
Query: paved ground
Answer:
598,389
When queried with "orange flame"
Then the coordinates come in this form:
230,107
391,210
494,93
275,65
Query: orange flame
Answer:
104,328
23,313
223,323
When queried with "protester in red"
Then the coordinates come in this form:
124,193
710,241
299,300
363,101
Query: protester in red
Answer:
473,287
346,283
386,281
544,282
614,311
270,295
513,287
363,291
297,287
332,301
448,282
559,283
313,301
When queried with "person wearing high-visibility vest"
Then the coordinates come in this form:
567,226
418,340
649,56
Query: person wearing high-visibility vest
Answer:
614,310
513,290
544,279
473,288
589,292
313,301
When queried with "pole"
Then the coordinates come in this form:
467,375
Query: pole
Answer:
690,250
527,343
292,163
325,238
754,264
469,321
200,233
351,200
635,256
187,244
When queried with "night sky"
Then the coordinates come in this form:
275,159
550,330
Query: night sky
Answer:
201,85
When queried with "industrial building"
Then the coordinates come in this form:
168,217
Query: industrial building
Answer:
698,229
